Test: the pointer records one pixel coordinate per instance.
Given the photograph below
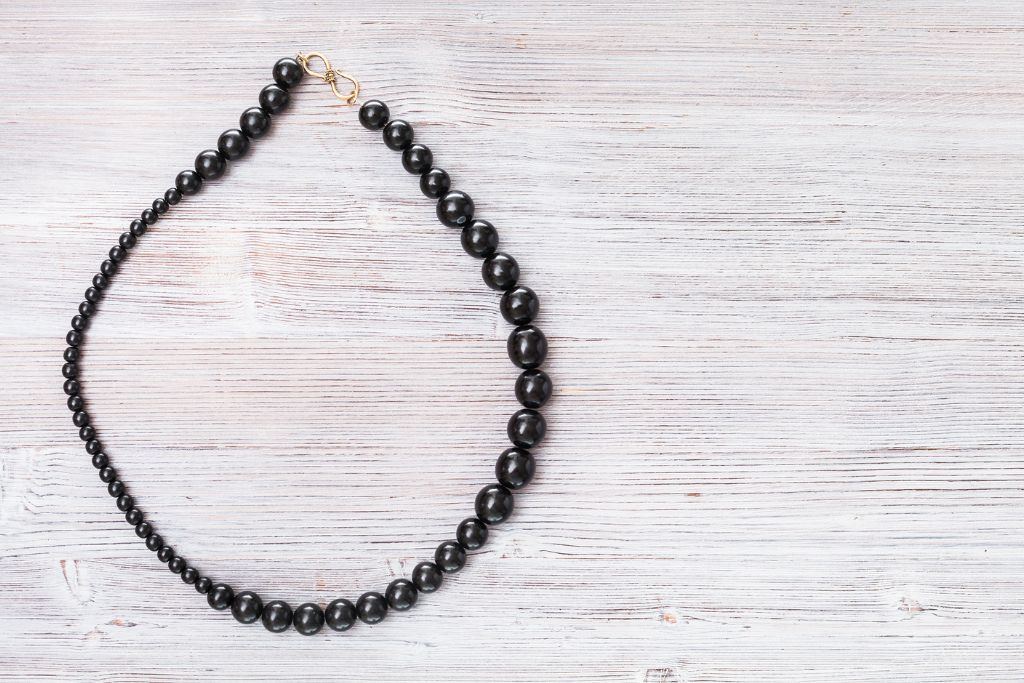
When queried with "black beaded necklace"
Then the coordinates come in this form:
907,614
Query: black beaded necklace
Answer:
527,348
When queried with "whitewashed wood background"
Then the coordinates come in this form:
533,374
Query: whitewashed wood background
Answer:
780,251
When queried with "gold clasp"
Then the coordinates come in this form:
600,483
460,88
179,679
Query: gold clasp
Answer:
330,76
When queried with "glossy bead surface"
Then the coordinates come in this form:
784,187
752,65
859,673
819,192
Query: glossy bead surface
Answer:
277,616
135,518
203,585
99,460
143,529
210,164
220,596
70,371
455,209
494,504
108,267
435,183
86,308
71,355
154,542
416,159
514,468
401,595
526,428
165,554
80,419
519,305
247,607
287,72
397,135
427,576
127,240
115,488
374,114
138,227
160,206
527,347
471,533
479,239
340,615
500,271
274,99
177,564
172,196
533,388
72,386
372,607
308,619
149,216
124,502
254,122
93,294
233,144
93,446
76,403
88,434
450,557
190,575
188,182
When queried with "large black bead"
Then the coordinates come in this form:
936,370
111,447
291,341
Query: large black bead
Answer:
233,144
527,347
220,596
210,164
138,227
274,99
372,607
427,576
519,305
450,557
246,607
500,271
254,122
479,239
287,72
398,135
435,183
455,209
401,594
340,615
188,182
494,504
374,114
514,468
533,388
526,428
277,616
416,159
471,534
308,619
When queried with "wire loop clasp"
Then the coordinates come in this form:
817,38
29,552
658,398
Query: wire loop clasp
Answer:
330,76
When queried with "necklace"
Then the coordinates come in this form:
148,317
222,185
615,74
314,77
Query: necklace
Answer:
527,348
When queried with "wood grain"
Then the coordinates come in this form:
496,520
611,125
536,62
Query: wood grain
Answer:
780,255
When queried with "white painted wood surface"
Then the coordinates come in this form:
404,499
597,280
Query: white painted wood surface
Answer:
780,254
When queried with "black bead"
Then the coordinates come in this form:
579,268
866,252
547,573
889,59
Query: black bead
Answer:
87,433
124,502
435,183
274,99
73,338
401,594
220,596
100,281
154,542
527,347
165,554
277,616
134,517
519,305
533,388
160,205
455,209
233,144
100,460
416,159
246,607
427,576
514,468
76,402
494,504
287,72
340,615
526,428
115,488
479,239
149,216
309,618
81,418
93,446
254,122
93,294
373,114
204,584
71,386
70,371
398,135
450,557
79,322
210,164
127,240
177,564
190,575
188,182
71,355
138,227
372,607
108,474
500,271
117,254
172,196
108,267
143,529
471,534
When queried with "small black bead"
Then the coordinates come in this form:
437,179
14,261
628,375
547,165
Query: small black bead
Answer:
526,428
117,254
527,347
100,281
233,144
494,504
533,388
138,227
70,371
160,205
372,607
71,354
73,338
86,308
374,114
514,468
416,159
108,474
401,594
435,183
125,502
254,122
398,135
427,576
220,596
92,293
75,402
274,99
450,557
172,196
287,72
455,209
108,267
71,386
79,322
135,517
210,164
93,446
190,575
100,460
127,240
165,554
308,619
519,305
277,616
115,488
177,564
500,271
81,418
246,607
188,182
149,216
87,433
154,542
204,584
479,239
471,534
340,615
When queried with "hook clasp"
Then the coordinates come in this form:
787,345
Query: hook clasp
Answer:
330,76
